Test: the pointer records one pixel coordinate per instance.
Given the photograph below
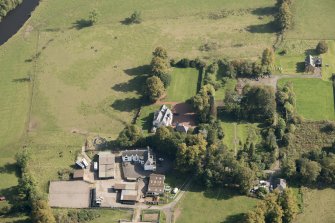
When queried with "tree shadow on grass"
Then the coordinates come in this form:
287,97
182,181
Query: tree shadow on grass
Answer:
311,52
10,168
127,104
81,23
241,217
140,70
133,85
264,11
263,28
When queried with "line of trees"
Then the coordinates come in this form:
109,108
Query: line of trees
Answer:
159,78
30,199
275,208
8,5
284,17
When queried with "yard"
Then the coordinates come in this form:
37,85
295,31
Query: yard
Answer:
183,84
219,205
315,98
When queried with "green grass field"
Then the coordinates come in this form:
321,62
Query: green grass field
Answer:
315,98
220,205
90,78
313,21
243,132
106,215
183,84
318,206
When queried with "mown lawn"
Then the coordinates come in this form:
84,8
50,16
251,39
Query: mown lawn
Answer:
183,84
315,98
318,206
214,206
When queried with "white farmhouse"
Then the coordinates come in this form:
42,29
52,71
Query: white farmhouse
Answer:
143,156
162,117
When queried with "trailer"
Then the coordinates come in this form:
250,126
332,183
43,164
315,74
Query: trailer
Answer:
83,160
80,164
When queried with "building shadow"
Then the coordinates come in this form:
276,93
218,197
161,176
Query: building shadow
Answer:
300,67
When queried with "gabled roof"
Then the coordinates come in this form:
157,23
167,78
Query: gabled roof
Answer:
156,183
136,152
106,164
164,114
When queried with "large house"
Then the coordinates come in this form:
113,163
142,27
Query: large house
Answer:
143,156
313,61
156,185
162,117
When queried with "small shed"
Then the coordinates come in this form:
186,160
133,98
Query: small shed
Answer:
181,128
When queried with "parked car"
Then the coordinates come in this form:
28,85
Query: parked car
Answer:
2,198
95,166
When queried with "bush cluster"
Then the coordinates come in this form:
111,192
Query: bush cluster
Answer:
8,5
284,17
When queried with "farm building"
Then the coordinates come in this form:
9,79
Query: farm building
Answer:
156,185
279,184
106,165
69,194
129,196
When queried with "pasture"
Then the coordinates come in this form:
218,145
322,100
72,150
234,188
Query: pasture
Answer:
218,205
183,84
89,79
315,98
313,21
319,206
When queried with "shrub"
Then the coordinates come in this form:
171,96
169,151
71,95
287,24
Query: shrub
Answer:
322,47
328,127
184,63
268,57
93,17
135,18
166,79
154,88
